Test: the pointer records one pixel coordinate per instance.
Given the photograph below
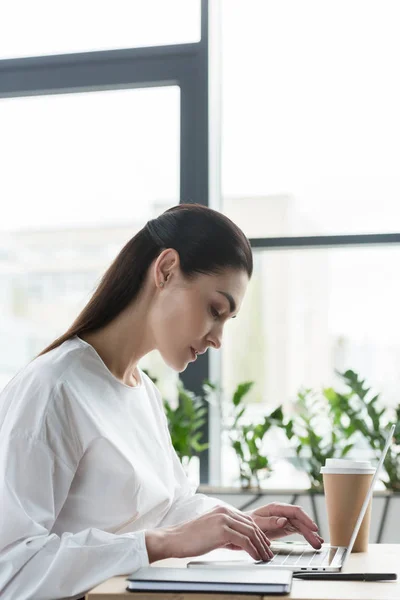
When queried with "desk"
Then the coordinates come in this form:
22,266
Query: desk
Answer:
380,557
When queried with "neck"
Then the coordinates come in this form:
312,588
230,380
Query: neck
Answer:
123,342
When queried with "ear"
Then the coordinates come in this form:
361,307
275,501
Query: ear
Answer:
166,266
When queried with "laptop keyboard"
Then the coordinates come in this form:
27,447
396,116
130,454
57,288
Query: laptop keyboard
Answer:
307,559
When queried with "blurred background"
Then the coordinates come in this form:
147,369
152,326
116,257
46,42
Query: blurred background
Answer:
304,132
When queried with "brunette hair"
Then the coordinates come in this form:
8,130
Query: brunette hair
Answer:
206,240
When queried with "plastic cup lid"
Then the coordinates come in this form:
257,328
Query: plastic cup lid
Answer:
343,465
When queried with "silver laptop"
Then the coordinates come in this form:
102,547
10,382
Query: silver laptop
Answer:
329,558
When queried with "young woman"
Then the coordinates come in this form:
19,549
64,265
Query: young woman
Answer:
90,485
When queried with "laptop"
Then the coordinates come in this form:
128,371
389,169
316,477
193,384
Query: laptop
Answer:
329,558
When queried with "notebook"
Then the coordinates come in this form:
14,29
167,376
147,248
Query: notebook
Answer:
244,581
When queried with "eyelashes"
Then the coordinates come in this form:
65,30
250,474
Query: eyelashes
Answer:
214,313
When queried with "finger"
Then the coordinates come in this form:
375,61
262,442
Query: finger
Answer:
264,541
290,528
291,511
243,516
244,542
254,533
250,521
234,513
232,547
270,524
311,536
279,533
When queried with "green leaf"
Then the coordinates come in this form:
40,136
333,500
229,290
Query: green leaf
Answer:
241,390
276,415
347,449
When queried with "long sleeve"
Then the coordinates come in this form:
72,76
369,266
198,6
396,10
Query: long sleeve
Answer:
35,563
187,504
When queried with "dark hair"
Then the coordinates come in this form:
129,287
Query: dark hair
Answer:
206,241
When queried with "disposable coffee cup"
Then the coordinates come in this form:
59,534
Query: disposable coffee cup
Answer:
346,484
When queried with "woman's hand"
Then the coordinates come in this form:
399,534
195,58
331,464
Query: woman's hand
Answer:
279,519
218,528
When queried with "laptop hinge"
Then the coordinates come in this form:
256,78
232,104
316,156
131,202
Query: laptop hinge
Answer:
339,557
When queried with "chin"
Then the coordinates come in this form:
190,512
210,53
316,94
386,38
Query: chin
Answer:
177,365
181,367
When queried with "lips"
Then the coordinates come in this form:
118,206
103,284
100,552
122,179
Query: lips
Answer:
193,352
202,351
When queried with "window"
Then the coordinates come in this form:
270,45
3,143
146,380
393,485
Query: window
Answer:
76,26
78,179
88,159
310,120
309,148
130,126
306,314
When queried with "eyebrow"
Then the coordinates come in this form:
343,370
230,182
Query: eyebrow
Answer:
232,303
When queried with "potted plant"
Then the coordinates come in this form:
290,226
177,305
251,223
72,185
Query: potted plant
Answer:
327,425
314,436
185,420
247,438
360,410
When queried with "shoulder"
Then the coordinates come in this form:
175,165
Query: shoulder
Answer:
150,386
27,398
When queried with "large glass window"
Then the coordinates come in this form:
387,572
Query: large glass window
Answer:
306,314
100,158
80,175
310,117
309,147
46,27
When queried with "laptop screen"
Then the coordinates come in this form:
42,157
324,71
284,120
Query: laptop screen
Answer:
370,491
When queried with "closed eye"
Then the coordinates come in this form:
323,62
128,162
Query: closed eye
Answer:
214,312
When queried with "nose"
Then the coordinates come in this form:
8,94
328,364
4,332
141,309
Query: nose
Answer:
215,338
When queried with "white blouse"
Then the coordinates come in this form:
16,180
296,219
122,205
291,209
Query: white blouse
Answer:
86,466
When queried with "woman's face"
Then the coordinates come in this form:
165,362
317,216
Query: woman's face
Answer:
189,314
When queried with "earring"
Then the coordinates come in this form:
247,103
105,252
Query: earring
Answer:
161,284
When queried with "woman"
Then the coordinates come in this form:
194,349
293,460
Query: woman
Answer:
90,484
